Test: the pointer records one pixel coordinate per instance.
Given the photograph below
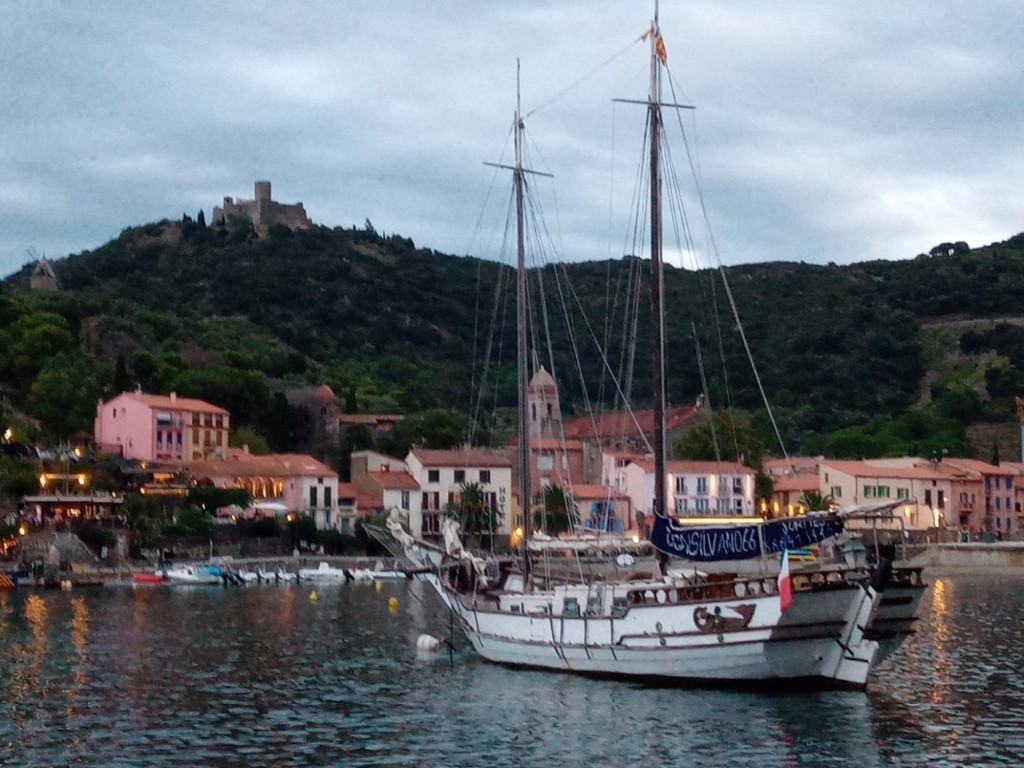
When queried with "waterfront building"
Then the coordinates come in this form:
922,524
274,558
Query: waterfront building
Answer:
704,490
602,509
922,497
792,478
995,510
441,476
137,425
385,483
279,483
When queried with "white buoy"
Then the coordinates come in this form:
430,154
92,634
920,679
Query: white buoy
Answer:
428,643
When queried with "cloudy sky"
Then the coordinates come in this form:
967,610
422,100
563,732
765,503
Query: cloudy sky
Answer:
827,131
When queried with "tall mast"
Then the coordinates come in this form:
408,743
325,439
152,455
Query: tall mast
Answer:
518,182
657,290
523,360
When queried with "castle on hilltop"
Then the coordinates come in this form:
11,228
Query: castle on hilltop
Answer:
264,212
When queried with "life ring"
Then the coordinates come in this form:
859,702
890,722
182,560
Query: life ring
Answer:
633,598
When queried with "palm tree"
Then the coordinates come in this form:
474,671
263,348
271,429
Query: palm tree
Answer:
475,512
814,501
553,511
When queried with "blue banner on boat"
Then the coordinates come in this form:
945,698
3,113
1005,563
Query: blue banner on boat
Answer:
741,542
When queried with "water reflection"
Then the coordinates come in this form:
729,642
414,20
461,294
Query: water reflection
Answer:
265,676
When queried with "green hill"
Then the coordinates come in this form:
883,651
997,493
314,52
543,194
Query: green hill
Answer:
220,313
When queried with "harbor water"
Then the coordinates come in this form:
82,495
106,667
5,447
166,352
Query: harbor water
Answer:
269,675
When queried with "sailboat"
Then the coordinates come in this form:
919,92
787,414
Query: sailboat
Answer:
679,625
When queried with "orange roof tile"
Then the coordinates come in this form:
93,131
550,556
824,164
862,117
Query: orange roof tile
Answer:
689,467
595,491
242,464
178,403
614,425
395,480
865,469
459,458
798,482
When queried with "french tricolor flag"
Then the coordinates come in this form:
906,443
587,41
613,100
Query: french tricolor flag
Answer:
785,583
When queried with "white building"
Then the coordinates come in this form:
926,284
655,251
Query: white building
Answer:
385,483
441,475
692,488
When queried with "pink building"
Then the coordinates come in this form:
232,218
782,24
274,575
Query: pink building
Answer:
160,427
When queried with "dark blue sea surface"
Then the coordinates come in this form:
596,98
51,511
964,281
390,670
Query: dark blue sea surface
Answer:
267,676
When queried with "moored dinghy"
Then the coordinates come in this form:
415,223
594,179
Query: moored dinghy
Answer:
324,573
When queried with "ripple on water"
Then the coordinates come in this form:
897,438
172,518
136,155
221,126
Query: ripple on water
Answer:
263,676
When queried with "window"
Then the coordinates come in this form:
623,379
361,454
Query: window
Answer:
433,475
312,496
883,491
836,492
702,486
682,506
680,484
485,475
327,496
902,493
460,475
545,461
928,497
737,485
405,499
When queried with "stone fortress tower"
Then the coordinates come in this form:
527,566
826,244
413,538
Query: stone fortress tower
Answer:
264,212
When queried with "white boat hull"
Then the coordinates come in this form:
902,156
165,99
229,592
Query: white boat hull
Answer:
323,574
190,575
740,641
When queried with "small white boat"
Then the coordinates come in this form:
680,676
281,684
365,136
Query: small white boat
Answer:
246,576
190,574
377,573
324,573
280,576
